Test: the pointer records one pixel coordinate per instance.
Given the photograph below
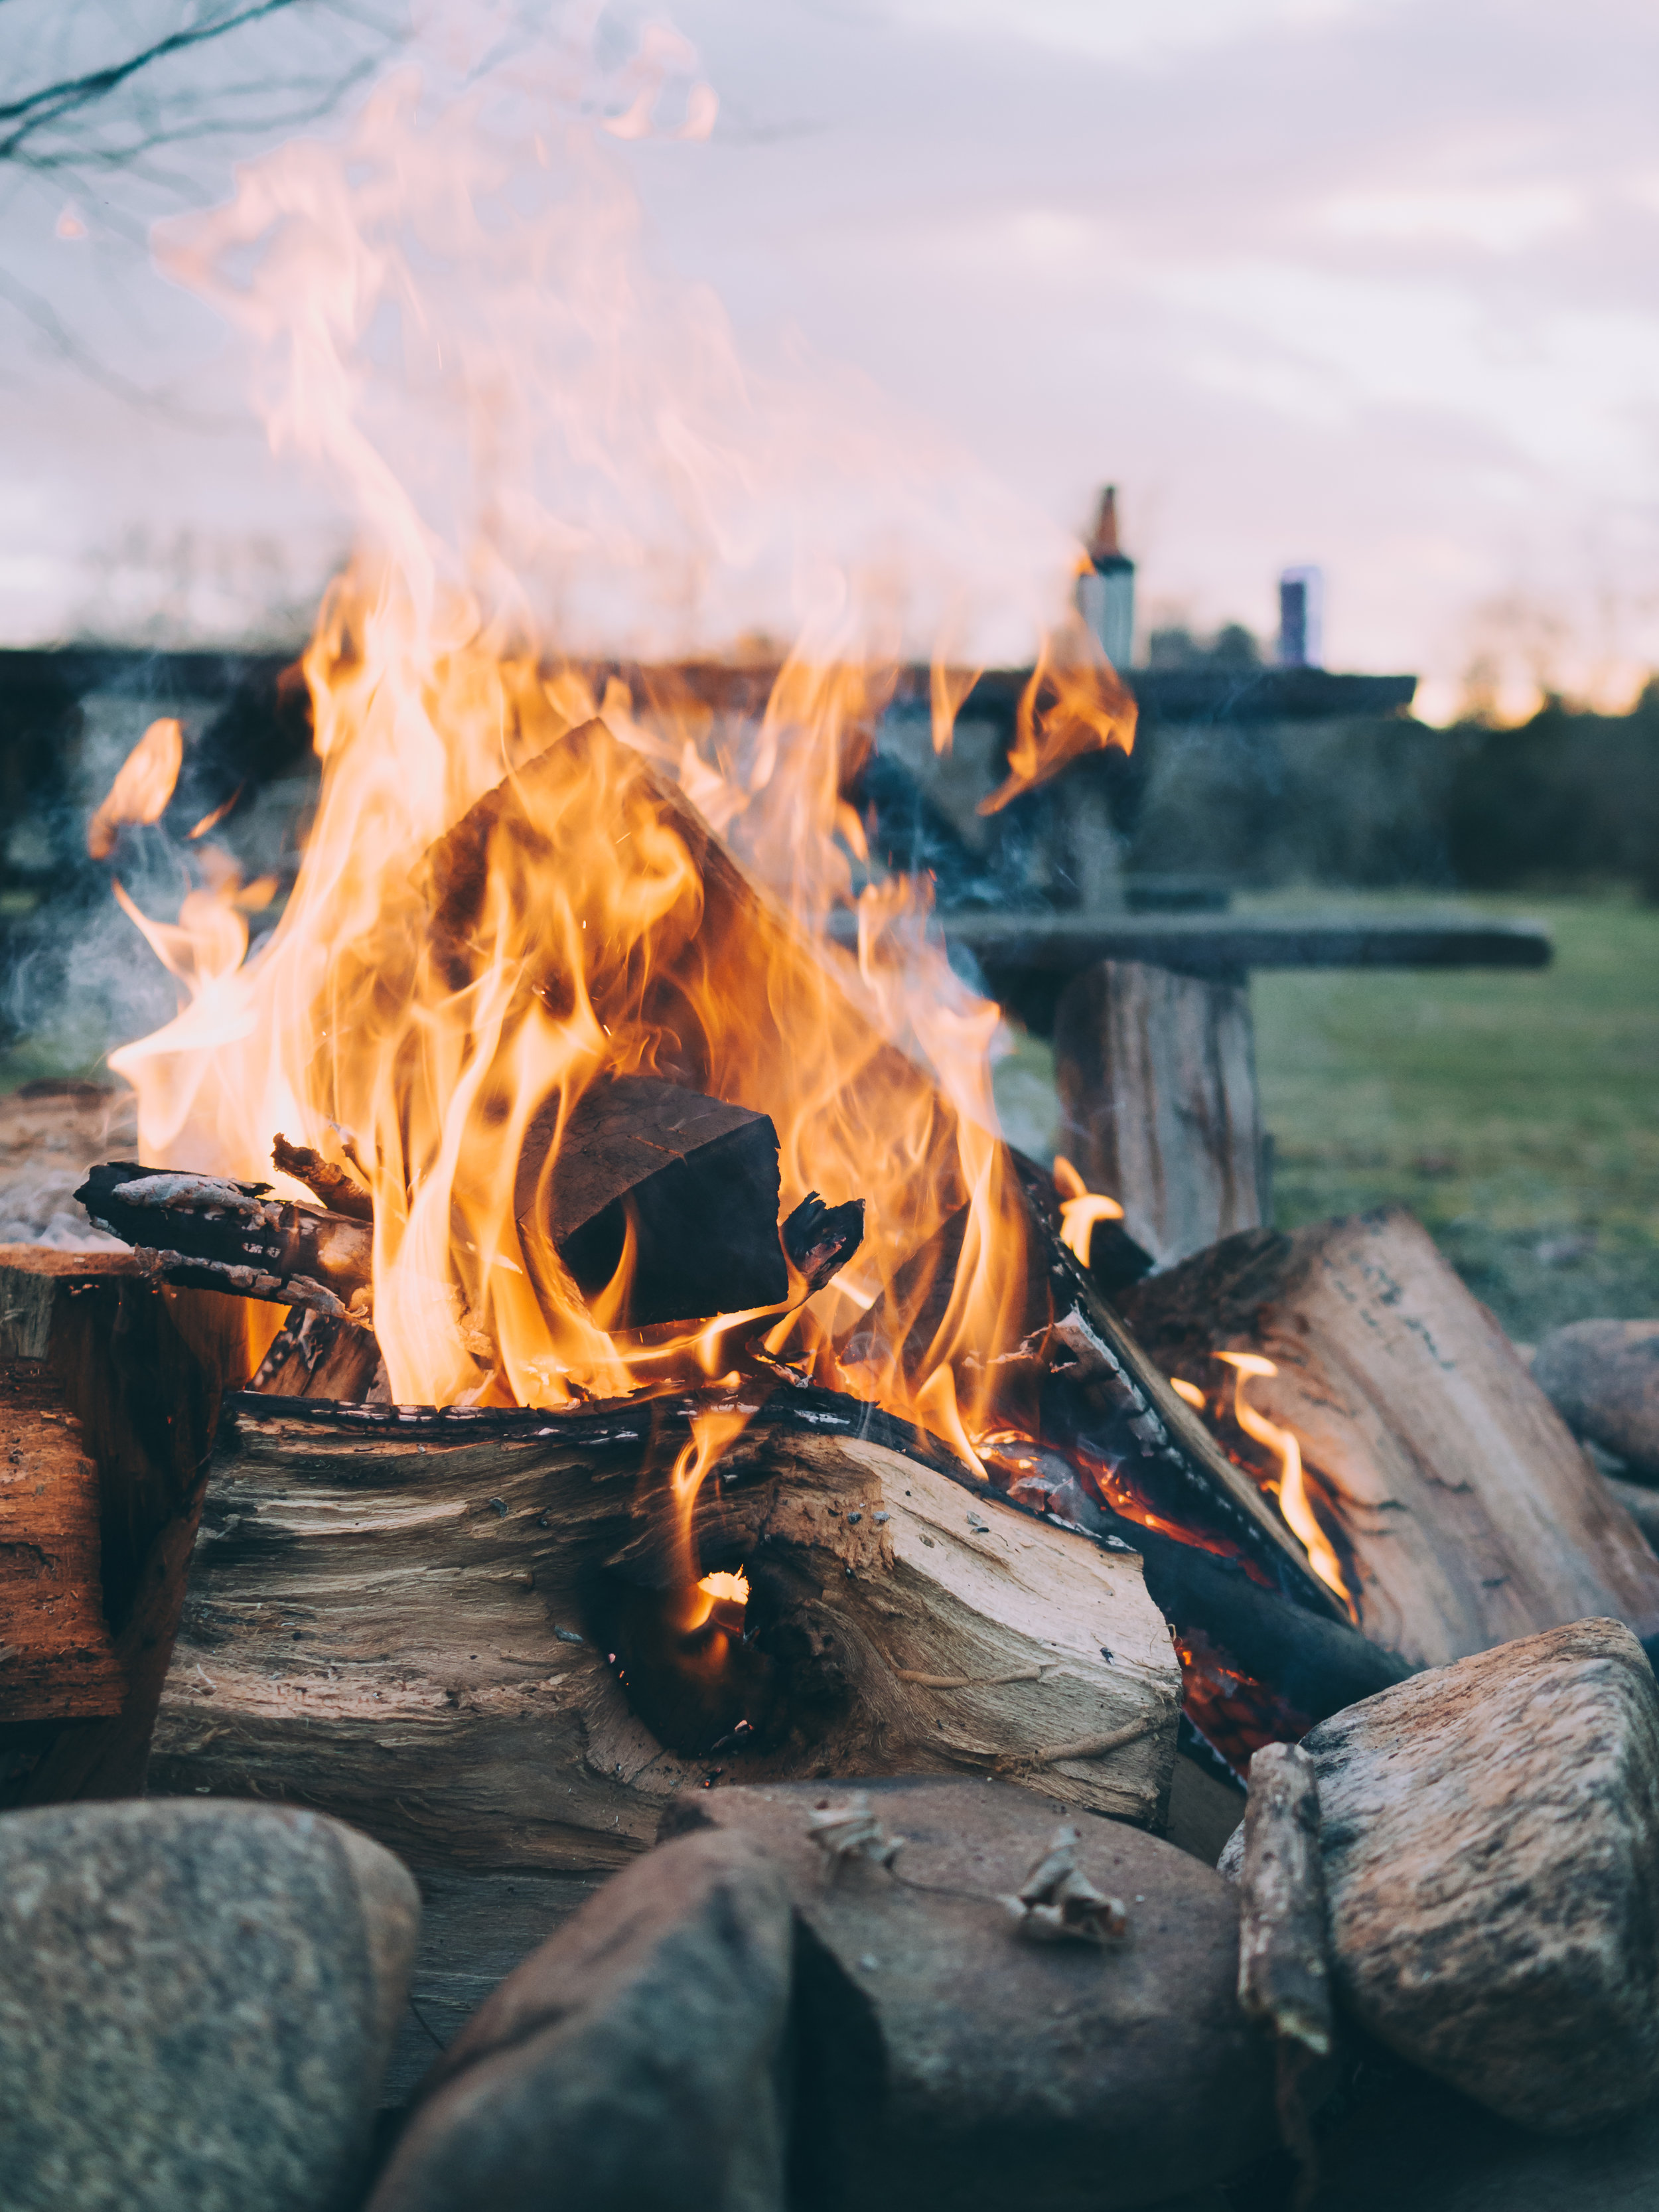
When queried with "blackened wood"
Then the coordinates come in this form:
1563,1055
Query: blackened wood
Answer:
315,1356
405,1619
213,1234
1466,1513
695,1178
820,1239
333,1187
1156,1071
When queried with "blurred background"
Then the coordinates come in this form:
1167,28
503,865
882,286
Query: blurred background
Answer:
1351,301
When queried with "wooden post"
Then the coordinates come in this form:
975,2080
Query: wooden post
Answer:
1156,1071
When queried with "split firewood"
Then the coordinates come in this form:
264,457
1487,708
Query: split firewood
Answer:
475,1631
100,1366
1464,1509
694,1180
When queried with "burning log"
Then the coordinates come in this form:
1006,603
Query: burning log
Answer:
485,1636
209,1233
316,1355
693,1181
1464,1513
1157,1077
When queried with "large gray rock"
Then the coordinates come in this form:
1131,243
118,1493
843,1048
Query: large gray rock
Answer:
1418,2146
1603,1377
1490,1833
949,2061
636,2063
196,2001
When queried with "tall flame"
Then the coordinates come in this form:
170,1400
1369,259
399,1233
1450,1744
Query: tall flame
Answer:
567,430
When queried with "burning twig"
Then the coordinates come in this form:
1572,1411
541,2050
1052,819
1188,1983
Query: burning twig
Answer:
226,1236
340,1191
1057,1904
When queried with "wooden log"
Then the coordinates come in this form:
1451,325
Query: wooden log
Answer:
1603,1377
409,1620
316,1355
334,1188
206,1232
1156,1071
695,1178
57,1658
1463,1512
137,1370
1284,1967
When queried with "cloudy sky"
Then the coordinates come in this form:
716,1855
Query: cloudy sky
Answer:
1369,282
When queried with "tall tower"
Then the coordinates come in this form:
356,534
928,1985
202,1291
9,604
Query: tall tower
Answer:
1302,618
1106,590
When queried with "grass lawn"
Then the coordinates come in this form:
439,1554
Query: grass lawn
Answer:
1517,1115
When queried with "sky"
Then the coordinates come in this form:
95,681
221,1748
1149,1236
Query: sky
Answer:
1371,283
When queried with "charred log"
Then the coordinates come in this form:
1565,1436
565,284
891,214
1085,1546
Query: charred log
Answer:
314,1355
333,1187
692,1179
213,1234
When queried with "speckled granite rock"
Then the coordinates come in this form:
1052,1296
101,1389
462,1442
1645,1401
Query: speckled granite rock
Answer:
1490,1833
950,2065
197,2000
636,2063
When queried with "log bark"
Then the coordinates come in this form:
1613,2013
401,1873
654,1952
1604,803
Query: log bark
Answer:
408,1620
1463,1512
1156,1071
1284,1967
138,1371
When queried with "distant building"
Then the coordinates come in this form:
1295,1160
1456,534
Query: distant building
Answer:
1302,618
1106,590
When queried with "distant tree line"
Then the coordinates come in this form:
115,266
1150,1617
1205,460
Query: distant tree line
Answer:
1567,799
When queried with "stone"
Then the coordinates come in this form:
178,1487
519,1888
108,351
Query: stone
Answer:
637,2060
1490,1833
949,2063
1416,2146
1603,1377
196,2001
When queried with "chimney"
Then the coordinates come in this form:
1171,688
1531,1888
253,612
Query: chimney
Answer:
1106,590
1301,618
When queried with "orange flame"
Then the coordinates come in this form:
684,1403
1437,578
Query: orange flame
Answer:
509,890
1293,1487
1080,1208
143,786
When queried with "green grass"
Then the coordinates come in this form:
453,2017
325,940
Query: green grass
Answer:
1517,1115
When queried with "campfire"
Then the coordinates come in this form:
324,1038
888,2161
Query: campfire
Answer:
587,1370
